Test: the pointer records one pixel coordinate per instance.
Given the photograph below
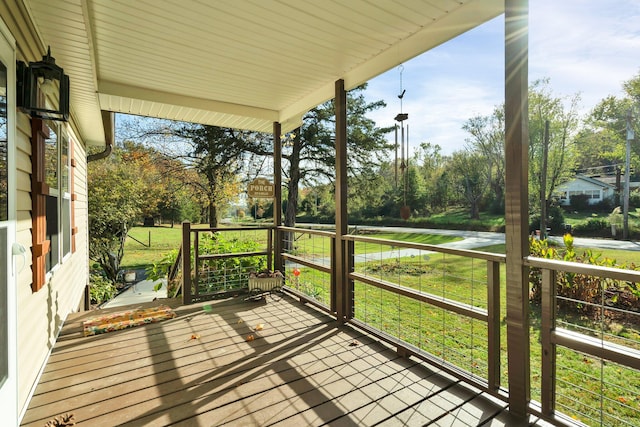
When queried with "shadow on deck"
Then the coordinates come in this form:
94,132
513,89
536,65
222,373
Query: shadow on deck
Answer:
199,369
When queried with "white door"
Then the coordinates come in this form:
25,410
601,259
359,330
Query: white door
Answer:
8,284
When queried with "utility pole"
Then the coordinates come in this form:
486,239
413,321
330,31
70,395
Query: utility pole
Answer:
627,173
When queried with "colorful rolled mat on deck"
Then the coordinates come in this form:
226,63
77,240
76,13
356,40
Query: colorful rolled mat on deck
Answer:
126,319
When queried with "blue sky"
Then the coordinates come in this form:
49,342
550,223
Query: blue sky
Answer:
588,47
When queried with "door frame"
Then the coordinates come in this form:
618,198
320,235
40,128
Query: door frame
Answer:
9,388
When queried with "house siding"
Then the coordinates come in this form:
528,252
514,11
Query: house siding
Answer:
581,186
40,314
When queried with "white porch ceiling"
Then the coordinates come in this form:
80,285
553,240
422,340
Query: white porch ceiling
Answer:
235,63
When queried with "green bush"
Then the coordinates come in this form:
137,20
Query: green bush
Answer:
225,274
582,293
634,199
579,202
555,220
101,289
160,270
591,225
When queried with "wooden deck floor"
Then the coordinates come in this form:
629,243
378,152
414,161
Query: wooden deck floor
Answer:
300,370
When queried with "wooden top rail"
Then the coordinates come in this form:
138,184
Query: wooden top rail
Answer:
308,231
433,248
597,347
580,268
214,230
232,255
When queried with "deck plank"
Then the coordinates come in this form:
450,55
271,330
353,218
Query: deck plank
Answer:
302,368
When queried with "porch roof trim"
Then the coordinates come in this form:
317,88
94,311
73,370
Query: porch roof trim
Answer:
235,63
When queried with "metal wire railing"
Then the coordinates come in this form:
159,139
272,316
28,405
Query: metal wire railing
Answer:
590,345
223,258
440,304
308,265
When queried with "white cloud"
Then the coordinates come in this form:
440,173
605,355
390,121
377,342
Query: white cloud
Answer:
584,46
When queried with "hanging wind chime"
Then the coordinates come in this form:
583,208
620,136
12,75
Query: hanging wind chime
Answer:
403,144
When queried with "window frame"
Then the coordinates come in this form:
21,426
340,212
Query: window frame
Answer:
50,253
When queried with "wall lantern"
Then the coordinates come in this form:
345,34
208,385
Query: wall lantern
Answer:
43,89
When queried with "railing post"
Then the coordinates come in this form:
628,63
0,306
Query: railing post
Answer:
196,264
186,262
270,232
547,325
516,205
493,324
277,197
340,270
334,289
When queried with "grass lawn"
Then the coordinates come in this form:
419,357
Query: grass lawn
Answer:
138,253
427,239
459,218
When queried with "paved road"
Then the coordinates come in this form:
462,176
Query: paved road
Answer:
476,239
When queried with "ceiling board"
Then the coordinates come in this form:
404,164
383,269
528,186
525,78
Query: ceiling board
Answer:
236,63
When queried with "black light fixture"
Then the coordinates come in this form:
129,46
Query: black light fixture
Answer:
43,89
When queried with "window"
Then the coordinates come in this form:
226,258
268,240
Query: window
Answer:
58,205
4,216
52,183
4,165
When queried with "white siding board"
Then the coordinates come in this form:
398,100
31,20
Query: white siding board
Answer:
23,182
40,314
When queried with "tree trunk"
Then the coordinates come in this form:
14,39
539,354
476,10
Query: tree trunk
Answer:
294,180
292,198
475,210
213,216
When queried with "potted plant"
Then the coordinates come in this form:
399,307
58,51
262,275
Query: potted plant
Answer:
265,280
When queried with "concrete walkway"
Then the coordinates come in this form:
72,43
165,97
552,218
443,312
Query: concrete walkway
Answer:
138,293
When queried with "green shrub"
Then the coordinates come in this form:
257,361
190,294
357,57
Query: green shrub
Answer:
579,202
101,289
555,220
160,270
591,225
604,205
582,293
634,199
224,274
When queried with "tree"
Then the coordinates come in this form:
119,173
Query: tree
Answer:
433,168
217,156
470,178
208,159
487,138
563,122
372,193
115,201
310,151
602,141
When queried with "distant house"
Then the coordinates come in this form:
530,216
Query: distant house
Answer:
596,189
